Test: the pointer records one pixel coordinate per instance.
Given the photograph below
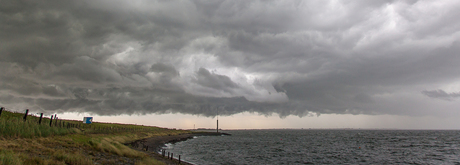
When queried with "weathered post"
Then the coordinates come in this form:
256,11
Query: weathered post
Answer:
51,120
56,120
168,155
25,115
40,120
172,156
1,109
179,159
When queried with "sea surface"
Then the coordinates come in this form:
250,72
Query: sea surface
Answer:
322,147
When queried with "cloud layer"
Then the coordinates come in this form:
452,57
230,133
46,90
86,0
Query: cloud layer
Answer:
226,57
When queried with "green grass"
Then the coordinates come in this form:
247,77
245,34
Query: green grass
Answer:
148,161
8,157
27,142
12,125
74,158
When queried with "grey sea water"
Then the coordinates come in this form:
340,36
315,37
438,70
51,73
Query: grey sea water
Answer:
322,147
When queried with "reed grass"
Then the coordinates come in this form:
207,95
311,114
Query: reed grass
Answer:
18,128
13,125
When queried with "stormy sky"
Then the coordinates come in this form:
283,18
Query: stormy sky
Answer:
282,58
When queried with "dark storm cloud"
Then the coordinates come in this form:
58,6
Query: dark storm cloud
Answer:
199,57
212,80
87,69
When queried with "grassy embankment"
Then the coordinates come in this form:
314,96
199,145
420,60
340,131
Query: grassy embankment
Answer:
71,142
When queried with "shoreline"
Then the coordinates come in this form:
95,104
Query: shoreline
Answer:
153,145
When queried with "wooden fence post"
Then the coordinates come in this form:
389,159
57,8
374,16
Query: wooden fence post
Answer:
1,109
172,156
40,120
51,120
179,159
25,115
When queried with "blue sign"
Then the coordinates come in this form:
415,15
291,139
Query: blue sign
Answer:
87,120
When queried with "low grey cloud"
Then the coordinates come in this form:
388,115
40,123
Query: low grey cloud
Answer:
441,94
199,57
